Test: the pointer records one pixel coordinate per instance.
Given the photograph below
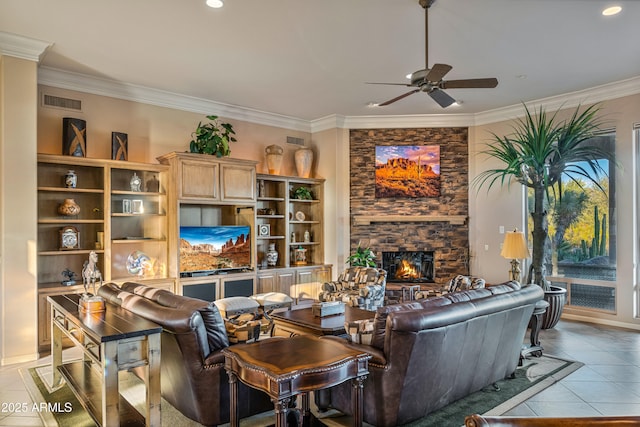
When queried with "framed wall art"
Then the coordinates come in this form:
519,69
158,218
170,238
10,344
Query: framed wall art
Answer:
407,171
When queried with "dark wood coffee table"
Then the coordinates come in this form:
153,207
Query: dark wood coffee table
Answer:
303,322
285,367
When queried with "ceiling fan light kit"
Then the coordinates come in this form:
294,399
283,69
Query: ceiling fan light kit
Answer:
430,80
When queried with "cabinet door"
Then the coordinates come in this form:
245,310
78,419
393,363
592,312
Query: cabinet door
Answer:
238,183
199,180
286,279
266,282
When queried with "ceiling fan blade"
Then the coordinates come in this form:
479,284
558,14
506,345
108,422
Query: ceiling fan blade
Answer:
437,72
470,83
398,98
392,84
441,97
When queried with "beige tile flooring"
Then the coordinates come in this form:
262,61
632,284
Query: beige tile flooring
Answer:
608,384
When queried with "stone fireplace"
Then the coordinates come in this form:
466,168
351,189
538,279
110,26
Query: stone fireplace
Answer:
408,266
435,225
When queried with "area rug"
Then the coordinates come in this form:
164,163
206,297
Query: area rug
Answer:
61,408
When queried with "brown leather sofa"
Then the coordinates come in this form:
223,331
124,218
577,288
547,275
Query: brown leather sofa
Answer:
193,377
429,353
616,421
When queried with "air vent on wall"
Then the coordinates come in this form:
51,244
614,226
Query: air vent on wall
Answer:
295,141
59,102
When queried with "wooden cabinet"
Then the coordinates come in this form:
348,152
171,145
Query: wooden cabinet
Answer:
209,179
122,217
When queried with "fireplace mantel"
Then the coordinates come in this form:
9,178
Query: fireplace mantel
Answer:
368,219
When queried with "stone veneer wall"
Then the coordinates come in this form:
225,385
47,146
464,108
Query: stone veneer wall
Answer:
449,242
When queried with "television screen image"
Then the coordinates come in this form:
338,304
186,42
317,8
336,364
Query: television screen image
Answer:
222,247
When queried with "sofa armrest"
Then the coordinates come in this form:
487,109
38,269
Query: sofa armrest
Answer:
215,358
377,356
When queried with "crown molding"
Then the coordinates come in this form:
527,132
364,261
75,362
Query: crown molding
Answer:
22,47
592,95
105,87
136,93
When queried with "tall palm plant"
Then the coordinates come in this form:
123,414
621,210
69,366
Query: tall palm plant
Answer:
541,152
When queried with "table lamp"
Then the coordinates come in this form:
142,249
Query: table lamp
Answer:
515,247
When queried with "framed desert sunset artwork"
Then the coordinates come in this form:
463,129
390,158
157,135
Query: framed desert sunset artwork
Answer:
407,171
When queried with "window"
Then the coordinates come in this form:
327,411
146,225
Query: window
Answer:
582,236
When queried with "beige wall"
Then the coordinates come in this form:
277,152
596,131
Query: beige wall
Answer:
504,206
18,210
153,131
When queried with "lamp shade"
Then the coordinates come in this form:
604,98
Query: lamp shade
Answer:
514,245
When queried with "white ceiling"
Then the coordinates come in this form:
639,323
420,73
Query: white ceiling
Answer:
309,59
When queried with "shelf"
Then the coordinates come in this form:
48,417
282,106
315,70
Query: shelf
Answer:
270,199
71,190
270,216
368,219
304,222
116,214
86,384
70,252
270,237
137,193
68,220
303,201
303,243
136,240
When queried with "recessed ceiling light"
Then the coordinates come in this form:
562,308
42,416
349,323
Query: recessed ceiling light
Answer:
373,104
613,10
215,3
409,75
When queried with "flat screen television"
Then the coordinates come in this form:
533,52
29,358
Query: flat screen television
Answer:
212,249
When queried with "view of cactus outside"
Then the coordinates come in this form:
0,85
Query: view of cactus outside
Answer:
581,238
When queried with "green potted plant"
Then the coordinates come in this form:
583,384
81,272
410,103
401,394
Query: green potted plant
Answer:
212,138
540,152
302,193
362,257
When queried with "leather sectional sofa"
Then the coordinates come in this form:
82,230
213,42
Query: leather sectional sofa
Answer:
429,353
193,378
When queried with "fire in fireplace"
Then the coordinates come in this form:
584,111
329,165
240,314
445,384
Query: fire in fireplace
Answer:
409,266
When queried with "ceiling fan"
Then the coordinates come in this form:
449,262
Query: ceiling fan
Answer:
430,80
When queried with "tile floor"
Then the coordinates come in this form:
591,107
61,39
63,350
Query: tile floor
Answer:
608,384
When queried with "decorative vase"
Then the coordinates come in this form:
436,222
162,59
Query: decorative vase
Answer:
274,158
272,255
304,159
69,208
556,297
70,179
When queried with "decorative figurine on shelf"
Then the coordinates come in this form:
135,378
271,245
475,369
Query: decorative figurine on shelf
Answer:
91,275
300,256
307,236
70,179
135,182
70,277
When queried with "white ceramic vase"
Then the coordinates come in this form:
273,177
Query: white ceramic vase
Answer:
304,159
273,154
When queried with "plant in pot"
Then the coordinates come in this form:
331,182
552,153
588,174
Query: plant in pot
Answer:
362,257
212,138
539,154
302,193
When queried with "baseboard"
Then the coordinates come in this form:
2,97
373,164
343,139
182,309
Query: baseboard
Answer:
599,321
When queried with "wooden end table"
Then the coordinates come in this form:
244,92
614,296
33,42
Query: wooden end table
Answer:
303,321
285,367
112,340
